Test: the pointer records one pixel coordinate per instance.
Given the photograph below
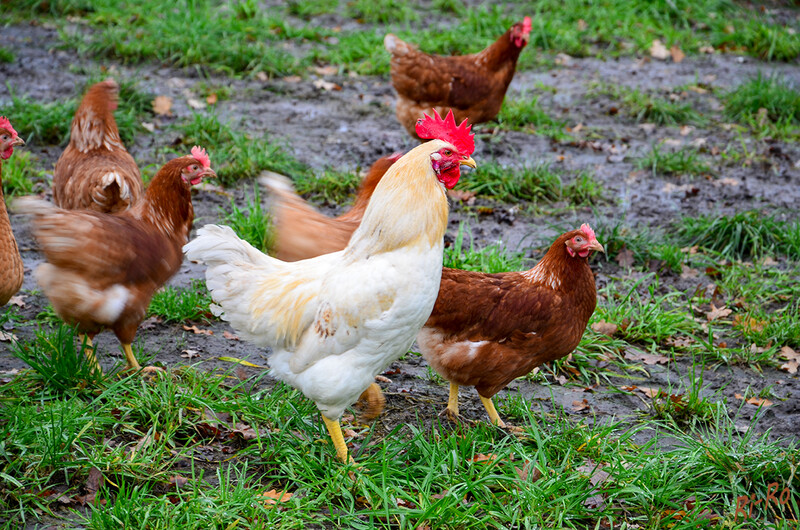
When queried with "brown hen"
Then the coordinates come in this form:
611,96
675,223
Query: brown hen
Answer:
11,270
473,86
301,232
103,269
488,329
95,172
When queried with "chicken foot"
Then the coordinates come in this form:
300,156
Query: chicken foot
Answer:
494,417
335,432
88,349
452,407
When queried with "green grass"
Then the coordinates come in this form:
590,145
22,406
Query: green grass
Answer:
252,223
22,174
491,259
769,105
525,113
680,162
173,304
6,55
330,187
538,183
235,155
647,107
742,235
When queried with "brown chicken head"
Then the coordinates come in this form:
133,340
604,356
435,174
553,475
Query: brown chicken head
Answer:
583,242
447,161
197,166
8,138
521,32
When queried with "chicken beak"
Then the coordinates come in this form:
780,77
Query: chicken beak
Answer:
18,141
208,173
468,162
595,245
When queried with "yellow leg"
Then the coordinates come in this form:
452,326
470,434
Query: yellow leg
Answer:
452,402
86,344
494,417
338,440
133,364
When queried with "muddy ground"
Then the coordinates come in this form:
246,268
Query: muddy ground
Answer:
352,127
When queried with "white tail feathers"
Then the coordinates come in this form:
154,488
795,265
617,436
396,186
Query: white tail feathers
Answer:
72,295
219,245
31,205
112,177
394,45
275,182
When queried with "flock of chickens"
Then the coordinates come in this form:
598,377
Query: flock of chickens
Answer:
343,297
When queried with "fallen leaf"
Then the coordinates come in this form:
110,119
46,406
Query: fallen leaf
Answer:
647,358
596,477
162,106
525,471
649,392
582,25
676,53
685,130
190,354
196,103
464,196
273,497
718,312
245,431
659,51
178,481
604,328
326,85
18,300
149,126
7,337
625,257
211,99
563,59
230,336
197,331
578,406
748,323
757,401
480,457
326,70
706,49
793,359
292,79
679,342
688,273
262,76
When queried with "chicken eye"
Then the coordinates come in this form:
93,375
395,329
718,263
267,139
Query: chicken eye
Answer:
578,239
447,152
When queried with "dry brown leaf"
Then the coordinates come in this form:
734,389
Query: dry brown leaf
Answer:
685,130
211,99
676,53
190,354
467,197
326,85
687,273
706,49
197,331
582,25
604,328
625,257
162,106
659,51
647,358
262,76
748,323
230,336
717,312
7,337
578,406
273,497
793,359
326,70
679,342
649,392
754,400
18,300
178,481
195,103
480,457
292,79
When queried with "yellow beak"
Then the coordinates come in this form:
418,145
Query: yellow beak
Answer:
18,141
468,162
595,245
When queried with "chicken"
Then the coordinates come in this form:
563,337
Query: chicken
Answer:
472,86
302,232
102,269
335,321
95,172
488,329
11,271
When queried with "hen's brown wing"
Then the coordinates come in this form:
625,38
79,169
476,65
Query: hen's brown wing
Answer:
478,306
101,180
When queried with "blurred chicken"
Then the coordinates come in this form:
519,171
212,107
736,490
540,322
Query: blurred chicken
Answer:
11,271
488,329
302,232
103,269
95,172
472,86
335,321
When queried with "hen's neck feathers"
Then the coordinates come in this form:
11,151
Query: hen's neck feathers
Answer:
408,208
94,126
560,271
167,203
501,54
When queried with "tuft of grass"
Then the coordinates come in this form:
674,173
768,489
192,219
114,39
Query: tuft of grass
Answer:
680,162
489,259
6,55
646,107
526,114
742,235
252,223
539,183
779,99
236,155
22,174
332,187
173,304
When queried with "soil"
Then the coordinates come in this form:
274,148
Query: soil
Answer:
352,127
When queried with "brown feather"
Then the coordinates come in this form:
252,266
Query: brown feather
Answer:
11,269
95,172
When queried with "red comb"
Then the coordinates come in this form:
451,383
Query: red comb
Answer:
5,124
588,231
446,129
526,25
200,154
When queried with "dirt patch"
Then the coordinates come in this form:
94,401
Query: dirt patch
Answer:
352,127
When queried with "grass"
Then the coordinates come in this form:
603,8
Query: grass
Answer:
768,105
525,113
252,223
235,155
6,55
490,259
331,187
647,107
173,304
21,174
679,162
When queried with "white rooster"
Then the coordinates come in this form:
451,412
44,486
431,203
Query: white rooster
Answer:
336,321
